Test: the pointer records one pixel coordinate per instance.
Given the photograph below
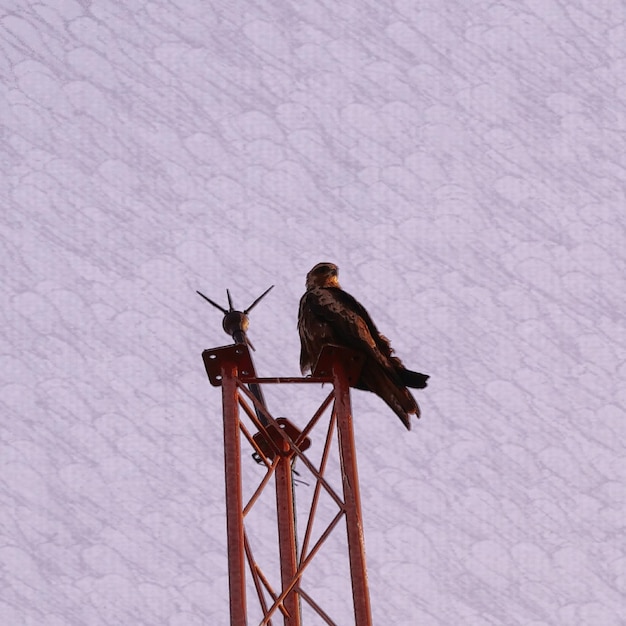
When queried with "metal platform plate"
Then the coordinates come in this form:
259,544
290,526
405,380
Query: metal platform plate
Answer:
239,354
290,429
352,362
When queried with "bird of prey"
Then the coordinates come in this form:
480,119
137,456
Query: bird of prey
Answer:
329,315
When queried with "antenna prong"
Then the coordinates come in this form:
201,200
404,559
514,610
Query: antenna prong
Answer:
217,306
235,323
258,299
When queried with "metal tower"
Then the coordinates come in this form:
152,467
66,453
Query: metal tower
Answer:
277,444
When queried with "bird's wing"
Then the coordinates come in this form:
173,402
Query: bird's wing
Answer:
307,348
350,322
405,376
382,343
330,315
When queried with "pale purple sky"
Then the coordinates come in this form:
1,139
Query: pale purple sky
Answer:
464,163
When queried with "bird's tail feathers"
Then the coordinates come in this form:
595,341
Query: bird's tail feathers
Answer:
413,379
398,398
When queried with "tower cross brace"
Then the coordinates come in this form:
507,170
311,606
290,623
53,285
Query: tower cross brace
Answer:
277,444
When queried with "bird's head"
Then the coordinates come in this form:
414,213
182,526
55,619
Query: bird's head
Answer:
323,275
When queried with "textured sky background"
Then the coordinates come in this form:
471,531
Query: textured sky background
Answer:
464,163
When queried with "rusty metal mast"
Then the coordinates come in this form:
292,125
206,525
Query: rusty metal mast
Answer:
277,444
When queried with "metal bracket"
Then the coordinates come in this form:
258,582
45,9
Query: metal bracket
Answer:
278,441
236,353
351,360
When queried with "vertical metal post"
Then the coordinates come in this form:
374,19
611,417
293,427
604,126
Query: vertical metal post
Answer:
287,546
352,498
234,499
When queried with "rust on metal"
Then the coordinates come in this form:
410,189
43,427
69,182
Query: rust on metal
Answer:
234,498
279,442
237,354
269,451
351,494
287,543
351,362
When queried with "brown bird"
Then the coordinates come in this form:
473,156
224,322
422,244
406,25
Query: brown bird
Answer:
329,315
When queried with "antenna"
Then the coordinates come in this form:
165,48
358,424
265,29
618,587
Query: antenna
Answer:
236,323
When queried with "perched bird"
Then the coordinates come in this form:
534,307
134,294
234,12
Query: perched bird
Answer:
329,315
